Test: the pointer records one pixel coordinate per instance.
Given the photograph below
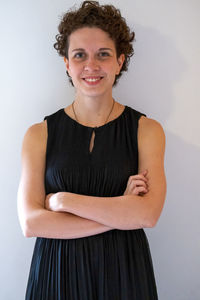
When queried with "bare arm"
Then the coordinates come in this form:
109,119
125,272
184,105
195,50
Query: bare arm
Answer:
128,211
35,220
121,212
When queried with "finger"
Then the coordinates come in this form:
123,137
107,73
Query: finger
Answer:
136,177
135,183
140,189
138,181
137,190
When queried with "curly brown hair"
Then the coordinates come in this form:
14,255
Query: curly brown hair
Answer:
106,17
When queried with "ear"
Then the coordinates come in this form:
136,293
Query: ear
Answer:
67,64
120,60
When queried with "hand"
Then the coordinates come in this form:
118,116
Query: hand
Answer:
137,184
52,202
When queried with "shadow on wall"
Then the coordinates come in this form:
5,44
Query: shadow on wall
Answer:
175,241
154,72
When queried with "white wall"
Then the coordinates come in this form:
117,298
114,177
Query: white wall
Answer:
162,82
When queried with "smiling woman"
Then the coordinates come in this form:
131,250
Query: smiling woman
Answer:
92,173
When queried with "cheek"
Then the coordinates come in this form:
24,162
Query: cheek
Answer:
75,74
112,68
74,69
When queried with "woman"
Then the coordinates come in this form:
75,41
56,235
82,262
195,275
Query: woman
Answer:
84,191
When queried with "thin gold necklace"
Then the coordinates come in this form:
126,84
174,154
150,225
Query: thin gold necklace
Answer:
95,126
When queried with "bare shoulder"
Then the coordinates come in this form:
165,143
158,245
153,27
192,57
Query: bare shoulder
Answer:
36,136
151,131
149,124
37,129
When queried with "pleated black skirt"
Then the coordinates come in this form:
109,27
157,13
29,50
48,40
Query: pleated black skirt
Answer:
114,265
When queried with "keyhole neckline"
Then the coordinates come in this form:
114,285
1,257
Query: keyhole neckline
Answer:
96,127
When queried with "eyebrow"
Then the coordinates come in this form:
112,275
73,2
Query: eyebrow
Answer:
100,49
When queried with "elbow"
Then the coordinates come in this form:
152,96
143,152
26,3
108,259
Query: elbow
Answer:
152,216
26,231
25,223
152,220
26,228
151,223
135,224
148,221
30,223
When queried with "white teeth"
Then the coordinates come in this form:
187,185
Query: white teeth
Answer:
92,79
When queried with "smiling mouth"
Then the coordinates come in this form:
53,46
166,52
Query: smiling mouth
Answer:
92,79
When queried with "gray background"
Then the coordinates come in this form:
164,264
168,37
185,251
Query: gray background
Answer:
162,82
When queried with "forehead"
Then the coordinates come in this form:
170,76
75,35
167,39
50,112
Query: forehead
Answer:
87,37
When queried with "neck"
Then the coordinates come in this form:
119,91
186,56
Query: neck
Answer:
94,112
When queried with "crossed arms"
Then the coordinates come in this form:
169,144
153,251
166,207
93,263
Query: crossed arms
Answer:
73,215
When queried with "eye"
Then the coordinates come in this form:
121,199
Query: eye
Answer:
104,54
79,55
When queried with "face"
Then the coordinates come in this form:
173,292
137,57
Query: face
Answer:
92,61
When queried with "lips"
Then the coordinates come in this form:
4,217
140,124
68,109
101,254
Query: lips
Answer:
92,80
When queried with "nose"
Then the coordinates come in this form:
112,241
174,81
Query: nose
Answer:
91,64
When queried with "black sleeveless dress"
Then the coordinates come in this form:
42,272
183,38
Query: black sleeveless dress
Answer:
113,265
